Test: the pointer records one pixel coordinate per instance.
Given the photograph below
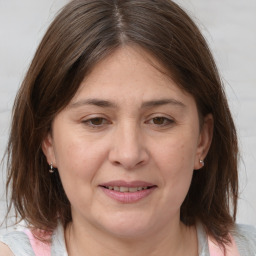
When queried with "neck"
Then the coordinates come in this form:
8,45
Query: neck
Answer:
176,240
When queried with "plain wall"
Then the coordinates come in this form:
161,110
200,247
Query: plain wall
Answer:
230,28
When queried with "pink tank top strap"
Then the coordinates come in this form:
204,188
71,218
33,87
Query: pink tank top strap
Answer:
215,250
40,248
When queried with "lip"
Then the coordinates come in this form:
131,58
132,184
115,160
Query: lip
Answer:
131,184
127,197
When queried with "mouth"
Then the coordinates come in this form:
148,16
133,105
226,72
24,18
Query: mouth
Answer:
127,192
127,189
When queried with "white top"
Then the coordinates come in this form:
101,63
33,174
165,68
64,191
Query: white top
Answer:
19,243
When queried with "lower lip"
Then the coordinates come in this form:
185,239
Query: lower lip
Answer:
128,197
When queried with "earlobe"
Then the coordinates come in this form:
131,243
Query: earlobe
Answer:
48,149
204,141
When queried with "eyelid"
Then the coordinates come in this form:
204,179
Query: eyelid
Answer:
169,120
163,115
86,121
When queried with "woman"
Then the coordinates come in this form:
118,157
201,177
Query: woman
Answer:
122,141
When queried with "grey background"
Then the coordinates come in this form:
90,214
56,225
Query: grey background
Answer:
230,28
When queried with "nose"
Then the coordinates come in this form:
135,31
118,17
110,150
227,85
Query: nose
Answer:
128,147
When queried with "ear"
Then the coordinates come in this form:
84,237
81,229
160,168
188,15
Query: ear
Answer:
204,141
48,149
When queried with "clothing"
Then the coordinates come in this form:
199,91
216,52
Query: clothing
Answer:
20,244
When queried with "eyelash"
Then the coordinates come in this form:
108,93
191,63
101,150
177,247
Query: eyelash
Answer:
103,121
165,121
89,122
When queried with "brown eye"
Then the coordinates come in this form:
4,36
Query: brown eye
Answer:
159,120
96,121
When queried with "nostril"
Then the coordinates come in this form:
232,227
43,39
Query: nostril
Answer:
128,166
127,156
116,163
140,163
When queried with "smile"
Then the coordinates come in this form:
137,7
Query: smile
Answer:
127,192
126,189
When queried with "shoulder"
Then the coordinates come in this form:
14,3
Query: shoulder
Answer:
245,238
4,250
15,243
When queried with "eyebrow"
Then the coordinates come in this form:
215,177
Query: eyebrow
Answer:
155,103
109,104
95,102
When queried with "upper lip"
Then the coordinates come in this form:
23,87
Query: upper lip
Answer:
129,184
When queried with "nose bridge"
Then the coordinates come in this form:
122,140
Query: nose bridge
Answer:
128,146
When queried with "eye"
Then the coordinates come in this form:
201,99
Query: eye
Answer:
160,121
96,122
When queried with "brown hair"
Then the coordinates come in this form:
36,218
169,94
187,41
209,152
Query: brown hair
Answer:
83,33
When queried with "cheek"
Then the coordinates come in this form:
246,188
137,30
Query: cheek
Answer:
176,163
77,159
178,153
78,165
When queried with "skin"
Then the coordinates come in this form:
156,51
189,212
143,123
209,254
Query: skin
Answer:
128,133
4,249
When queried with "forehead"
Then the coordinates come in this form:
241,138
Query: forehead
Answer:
130,74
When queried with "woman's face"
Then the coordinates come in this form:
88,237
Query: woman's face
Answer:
127,145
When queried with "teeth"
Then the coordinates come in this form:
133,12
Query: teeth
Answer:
126,189
133,189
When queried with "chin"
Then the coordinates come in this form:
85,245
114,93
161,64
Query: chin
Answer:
128,227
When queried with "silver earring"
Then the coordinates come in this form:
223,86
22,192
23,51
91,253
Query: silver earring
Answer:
51,168
201,162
